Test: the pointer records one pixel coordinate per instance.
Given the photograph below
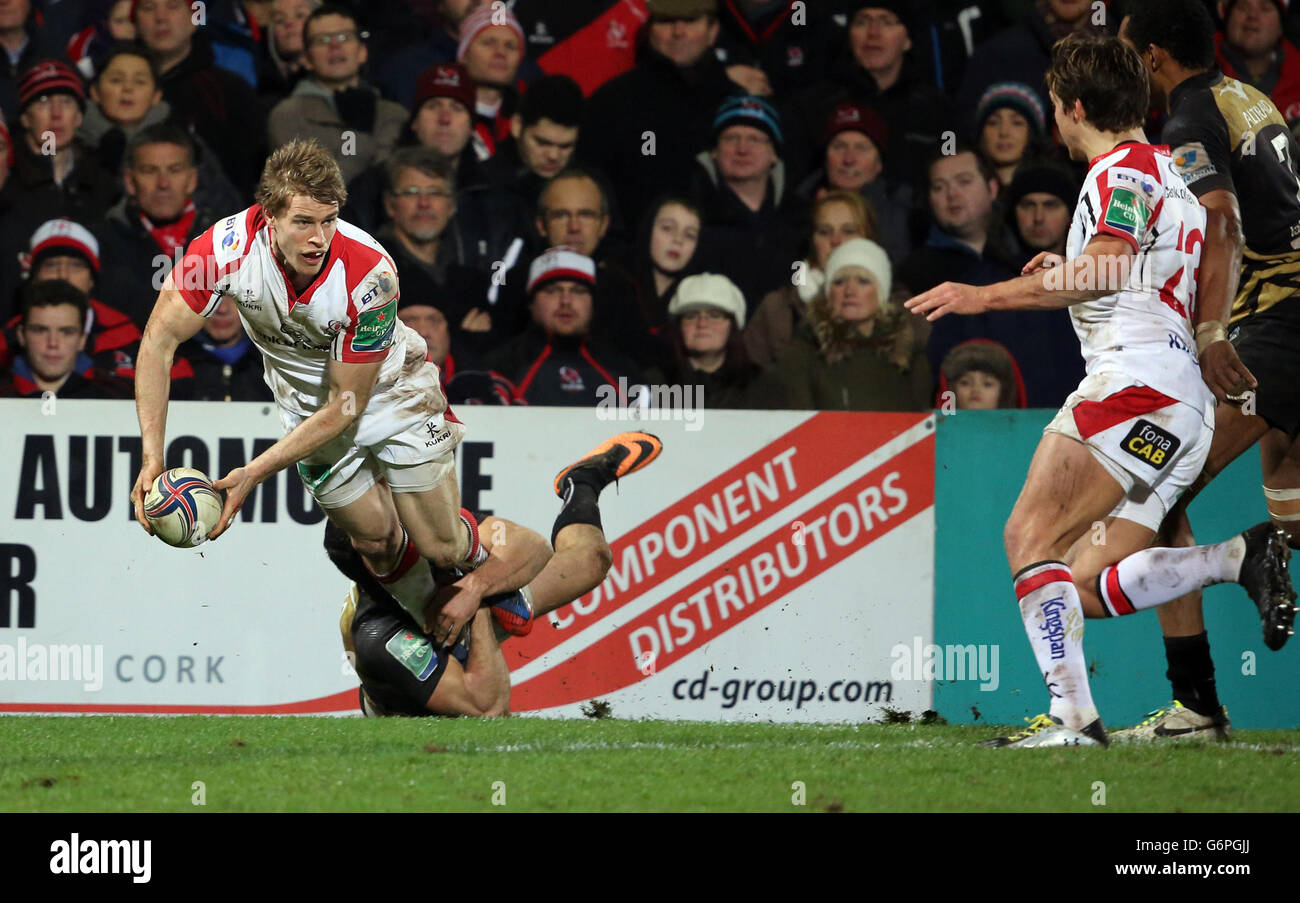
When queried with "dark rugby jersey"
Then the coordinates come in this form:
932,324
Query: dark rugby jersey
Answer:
1224,134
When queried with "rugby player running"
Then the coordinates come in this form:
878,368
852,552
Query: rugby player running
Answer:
1136,433
365,418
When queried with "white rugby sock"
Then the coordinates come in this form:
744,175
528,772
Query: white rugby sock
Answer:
1155,576
410,581
1053,616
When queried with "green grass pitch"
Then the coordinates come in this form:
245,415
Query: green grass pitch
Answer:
301,764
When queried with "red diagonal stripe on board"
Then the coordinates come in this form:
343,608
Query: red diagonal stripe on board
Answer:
609,664
825,444
345,701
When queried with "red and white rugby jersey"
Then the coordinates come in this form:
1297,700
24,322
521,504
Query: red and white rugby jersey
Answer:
1143,331
349,314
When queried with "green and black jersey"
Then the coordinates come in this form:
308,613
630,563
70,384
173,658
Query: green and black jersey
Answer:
1224,134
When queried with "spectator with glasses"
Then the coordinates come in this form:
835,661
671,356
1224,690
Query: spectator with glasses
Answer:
422,236
573,211
706,317
333,104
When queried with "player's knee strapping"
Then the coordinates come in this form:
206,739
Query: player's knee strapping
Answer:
1284,511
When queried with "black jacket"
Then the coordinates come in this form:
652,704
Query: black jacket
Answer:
754,249
675,105
1043,342
449,285
563,372
132,264
791,50
915,112
223,109
216,380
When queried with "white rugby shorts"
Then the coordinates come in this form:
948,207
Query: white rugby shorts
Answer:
1153,445
415,460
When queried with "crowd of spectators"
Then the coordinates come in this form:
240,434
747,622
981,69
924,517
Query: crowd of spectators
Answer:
579,197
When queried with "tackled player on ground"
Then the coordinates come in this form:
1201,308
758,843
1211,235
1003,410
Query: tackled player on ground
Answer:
407,668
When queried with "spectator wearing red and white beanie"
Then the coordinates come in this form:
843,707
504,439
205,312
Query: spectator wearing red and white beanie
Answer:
1251,48
491,50
557,361
65,250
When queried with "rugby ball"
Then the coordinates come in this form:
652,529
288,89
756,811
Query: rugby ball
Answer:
182,507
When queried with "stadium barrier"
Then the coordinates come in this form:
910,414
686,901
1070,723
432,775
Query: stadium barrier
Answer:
770,566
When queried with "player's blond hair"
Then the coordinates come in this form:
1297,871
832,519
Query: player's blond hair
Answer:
301,167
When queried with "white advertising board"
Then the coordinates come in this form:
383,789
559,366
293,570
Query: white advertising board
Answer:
764,568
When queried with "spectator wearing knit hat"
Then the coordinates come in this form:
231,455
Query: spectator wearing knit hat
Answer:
853,161
1022,52
397,75
54,174
65,252
878,68
491,49
24,41
487,220
754,221
219,105
856,352
837,216
1039,205
49,168
981,375
556,361
1251,48
332,103
706,319
653,120
1011,128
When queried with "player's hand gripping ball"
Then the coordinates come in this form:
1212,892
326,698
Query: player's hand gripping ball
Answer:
182,507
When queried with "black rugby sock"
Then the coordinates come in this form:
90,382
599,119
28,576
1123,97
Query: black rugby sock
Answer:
581,502
1191,673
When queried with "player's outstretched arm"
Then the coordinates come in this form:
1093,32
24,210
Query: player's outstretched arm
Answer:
1216,287
171,323
1102,269
516,555
350,388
